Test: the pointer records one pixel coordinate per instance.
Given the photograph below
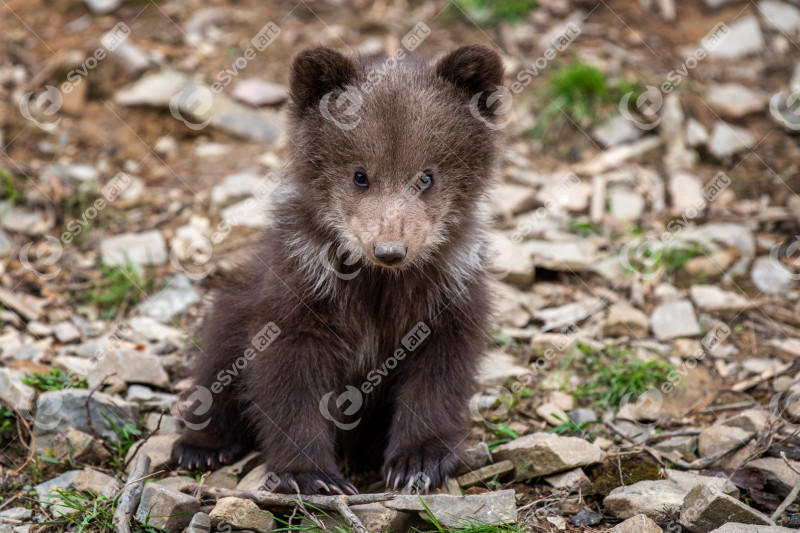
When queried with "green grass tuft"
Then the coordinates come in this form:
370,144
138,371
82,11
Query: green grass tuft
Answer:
118,288
55,380
493,12
93,514
616,373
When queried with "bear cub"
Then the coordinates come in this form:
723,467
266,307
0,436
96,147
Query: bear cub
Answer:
350,338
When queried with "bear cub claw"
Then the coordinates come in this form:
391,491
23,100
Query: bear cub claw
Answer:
295,482
420,471
193,457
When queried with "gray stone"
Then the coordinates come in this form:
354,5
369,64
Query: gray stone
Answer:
637,524
540,454
155,89
727,140
79,448
254,480
18,219
6,244
474,458
696,134
153,330
583,415
780,478
14,392
570,481
625,205
141,249
222,478
169,425
655,499
705,509
717,439
781,16
685,191
235,186
130,366
239,513
733,527
103,7
561,256
743,39
198,107
616,130
58,410
148,400
166,508
201,523
497,367
487,473
17,513
497,507
258,92
47,491
158,448
713,298
751,420
682,445
377,518
624,320
97,483
511,199
176,482
66,332
771,276
687,480
674,319
175,299
732,100
552,414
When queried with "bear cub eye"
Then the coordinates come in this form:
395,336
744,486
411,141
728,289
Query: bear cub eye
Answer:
360,178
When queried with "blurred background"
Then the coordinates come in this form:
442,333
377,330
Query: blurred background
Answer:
646,257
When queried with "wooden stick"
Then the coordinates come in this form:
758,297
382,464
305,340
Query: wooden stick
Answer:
764,376
131,494
339,504
271,499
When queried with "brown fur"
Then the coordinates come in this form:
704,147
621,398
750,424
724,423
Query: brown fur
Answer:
335,329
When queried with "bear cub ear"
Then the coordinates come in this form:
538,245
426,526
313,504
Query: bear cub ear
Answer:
473,69
318,71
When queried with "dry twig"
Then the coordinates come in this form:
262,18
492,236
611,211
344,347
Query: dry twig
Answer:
339,504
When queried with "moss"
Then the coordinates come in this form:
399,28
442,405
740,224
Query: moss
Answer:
606,478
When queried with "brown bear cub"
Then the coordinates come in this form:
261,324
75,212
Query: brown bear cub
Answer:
352,336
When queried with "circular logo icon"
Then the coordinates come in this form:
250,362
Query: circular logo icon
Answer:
41,108
39,258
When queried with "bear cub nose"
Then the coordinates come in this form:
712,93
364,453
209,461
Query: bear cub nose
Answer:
390,252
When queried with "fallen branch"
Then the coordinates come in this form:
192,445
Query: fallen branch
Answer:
339,504
762,377
792,495
131,494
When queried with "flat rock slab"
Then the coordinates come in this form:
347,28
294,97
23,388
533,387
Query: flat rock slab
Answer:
166,508
637,524
655,499
540,454
58,410
457,511
748,528
705,509
487,473
239,513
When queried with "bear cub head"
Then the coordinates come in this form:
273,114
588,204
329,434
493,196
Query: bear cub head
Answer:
391,159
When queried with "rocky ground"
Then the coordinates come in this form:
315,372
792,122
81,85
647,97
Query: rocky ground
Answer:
642,375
